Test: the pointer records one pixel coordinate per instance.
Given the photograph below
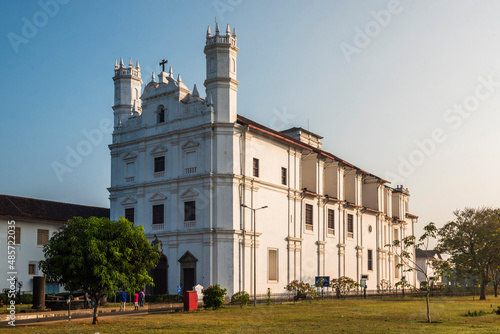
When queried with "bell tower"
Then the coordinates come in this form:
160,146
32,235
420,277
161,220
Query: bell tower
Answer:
221,84
127,91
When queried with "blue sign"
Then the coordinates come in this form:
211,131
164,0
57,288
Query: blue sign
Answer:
179,289
326,281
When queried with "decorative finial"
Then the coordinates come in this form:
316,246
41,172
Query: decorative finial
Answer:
209,32
137,66
179,78
234,32
153,77
228,30
116,64
130,63
216,27
171,72
121,62
195,92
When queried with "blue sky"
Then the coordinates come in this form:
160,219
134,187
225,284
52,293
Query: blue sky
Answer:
378,79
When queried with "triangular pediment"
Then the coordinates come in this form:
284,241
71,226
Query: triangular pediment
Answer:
188,258
158,149
129,156
190,144
129,201
157,197
189,193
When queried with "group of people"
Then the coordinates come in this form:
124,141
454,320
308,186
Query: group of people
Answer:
139,298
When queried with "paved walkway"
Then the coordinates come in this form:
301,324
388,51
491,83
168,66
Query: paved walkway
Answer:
33,317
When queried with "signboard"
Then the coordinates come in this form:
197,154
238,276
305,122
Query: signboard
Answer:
326,281
179,289
364,277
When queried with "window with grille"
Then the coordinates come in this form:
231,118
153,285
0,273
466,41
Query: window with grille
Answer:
32,269
331,221
42,237
370,259
309,217
189,211
255,167
129,214
158,214
350,226
283,176
159,164
17,235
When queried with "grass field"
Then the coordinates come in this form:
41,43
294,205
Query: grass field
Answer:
324,316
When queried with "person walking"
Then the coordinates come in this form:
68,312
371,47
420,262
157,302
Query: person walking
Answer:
86,300
142,296
136,301
123,301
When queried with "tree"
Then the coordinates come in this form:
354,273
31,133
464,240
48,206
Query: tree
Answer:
405,248
98,256
473,242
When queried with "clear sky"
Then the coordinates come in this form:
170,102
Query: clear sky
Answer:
407,90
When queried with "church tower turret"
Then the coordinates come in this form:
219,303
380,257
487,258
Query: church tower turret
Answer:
127,91
221,52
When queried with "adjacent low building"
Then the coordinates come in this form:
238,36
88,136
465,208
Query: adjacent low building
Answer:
27,225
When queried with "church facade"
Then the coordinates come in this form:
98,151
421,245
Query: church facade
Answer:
212,188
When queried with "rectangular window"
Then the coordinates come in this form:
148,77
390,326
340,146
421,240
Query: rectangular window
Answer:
129,214
350,226
370,259
42,237
161,115
129,169
396,234
273,265
17,235
309,217
331,221
255,167
283,176
158,212
189,211
159,164
32,269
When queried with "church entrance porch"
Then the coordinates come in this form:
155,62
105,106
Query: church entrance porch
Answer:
188,271
160,277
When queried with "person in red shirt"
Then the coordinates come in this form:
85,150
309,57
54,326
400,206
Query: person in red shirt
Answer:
136,301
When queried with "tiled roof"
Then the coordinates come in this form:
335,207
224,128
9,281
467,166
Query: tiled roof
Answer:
277,134
13,207
427,253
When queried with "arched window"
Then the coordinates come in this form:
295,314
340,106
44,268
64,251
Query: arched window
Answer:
212,64
136,94
161,115
233,65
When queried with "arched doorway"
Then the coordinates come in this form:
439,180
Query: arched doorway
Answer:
188,271
160,277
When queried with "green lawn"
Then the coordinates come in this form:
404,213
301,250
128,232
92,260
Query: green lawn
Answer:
328,316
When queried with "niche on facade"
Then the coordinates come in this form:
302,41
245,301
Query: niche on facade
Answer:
190,152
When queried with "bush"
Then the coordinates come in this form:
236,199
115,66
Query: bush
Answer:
26,299
343,285
497,311
213,297
475,313
301,289
165,298
241,298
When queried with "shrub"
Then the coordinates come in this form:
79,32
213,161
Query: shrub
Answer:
213,297
26,299
241,298
475,313
343,285
165,298
301,289
497,311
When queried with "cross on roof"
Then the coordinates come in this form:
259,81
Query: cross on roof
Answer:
162,64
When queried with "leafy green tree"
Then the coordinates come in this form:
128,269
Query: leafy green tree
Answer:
98,255
472,240
405,248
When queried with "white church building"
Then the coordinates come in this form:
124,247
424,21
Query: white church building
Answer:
189,169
